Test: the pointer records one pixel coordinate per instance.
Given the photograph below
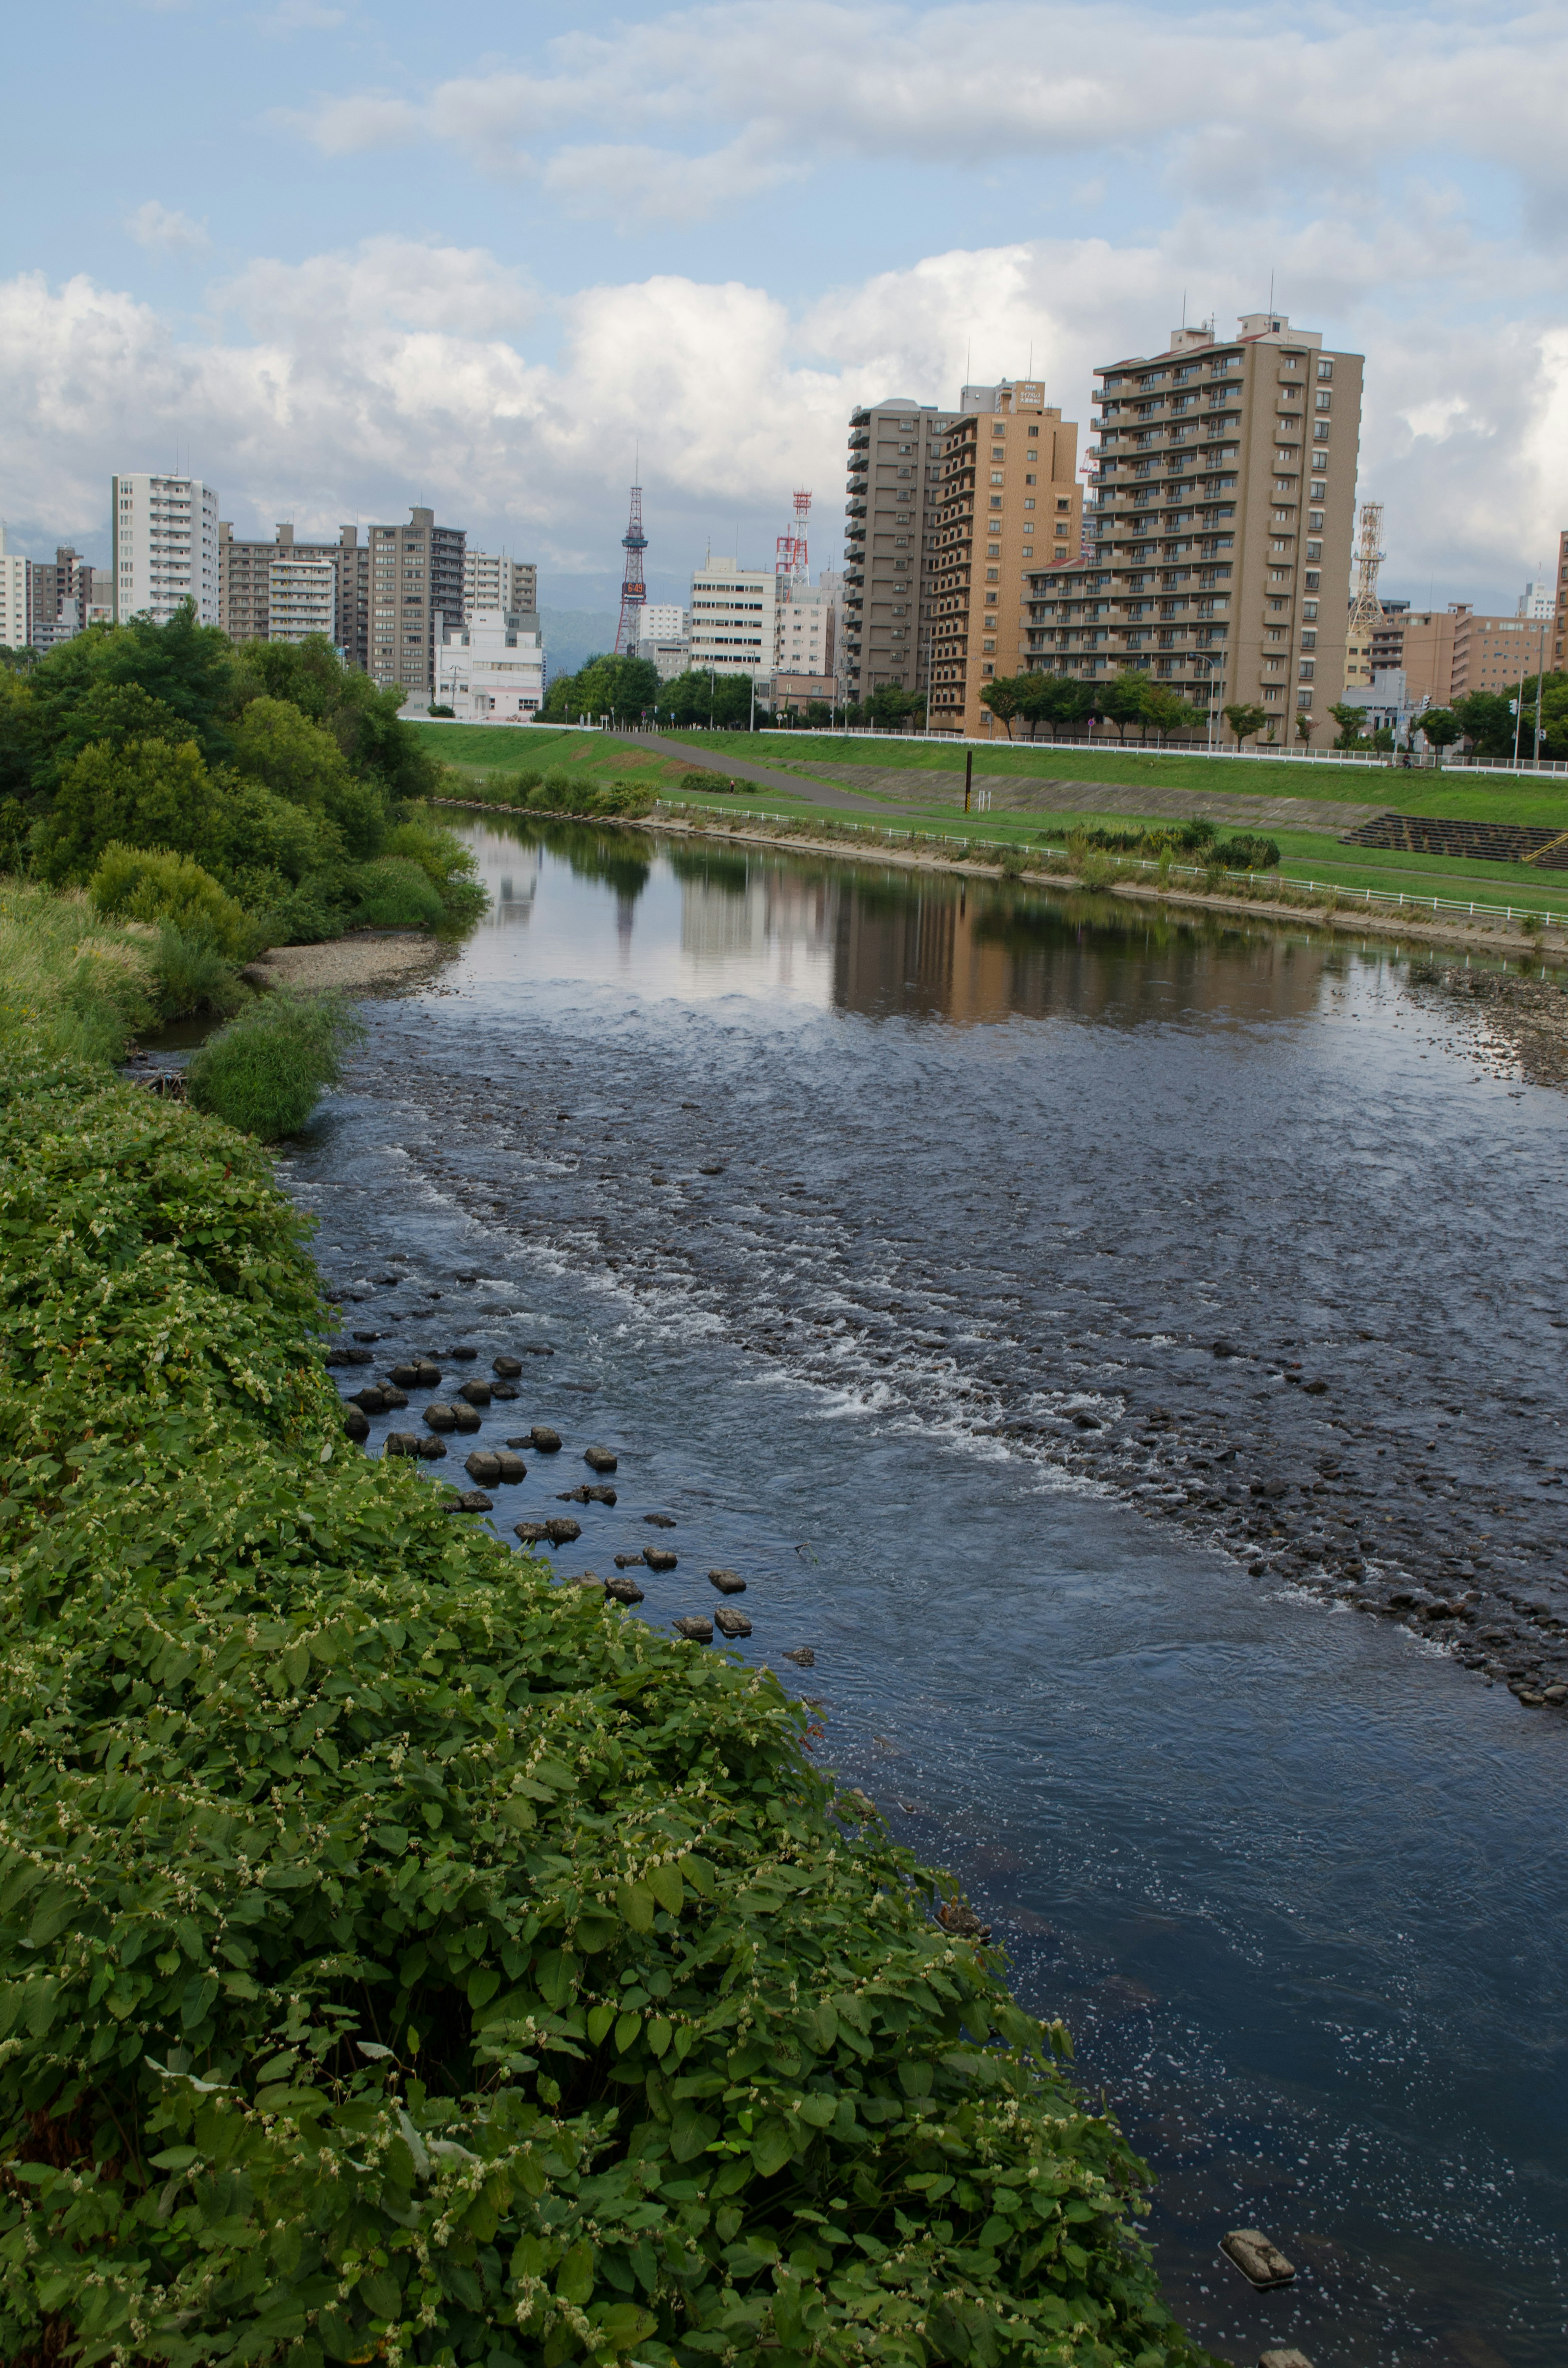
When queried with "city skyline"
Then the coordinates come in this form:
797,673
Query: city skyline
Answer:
368,281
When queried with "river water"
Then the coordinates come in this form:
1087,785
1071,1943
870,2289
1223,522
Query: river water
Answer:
845,1202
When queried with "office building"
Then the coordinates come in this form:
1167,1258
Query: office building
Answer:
491,580
889,545
16,608
245,586
489,667
733,619
1221,525
416,576
663,620
804,631
1495,652
1539,599
1009,499
166,547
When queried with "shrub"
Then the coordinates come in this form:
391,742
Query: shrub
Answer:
1245,852
447,864
140,885
193,977
70,982
394,894
695,780
265,1073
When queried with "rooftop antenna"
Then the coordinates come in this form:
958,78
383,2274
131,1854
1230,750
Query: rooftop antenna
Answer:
1271,295
1184,308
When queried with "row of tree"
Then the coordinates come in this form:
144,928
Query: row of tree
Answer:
629,689
1497,725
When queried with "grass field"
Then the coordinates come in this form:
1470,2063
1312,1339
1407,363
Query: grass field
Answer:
1447,793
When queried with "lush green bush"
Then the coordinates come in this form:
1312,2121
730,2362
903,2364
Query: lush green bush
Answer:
446,862
394,894
69,981
143,884
404,1956
265,1073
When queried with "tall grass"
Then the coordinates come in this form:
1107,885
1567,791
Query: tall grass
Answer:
266,1071
68,979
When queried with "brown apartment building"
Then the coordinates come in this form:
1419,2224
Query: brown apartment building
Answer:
1448,653
889,535
1009,498
1561,630
1222,526
416,577
245,582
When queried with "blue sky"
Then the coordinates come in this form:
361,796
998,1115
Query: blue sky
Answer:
345,259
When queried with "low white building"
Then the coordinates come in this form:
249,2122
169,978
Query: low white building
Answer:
301,597
16,617
166,547
492,668
733,619
803,629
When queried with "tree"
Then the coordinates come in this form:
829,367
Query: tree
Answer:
890,708
1303,725
625,687
1056,699
1007,697
1352,723
1486,719
277,744
1125,700
1440,727
1244,720
1167,711
148,794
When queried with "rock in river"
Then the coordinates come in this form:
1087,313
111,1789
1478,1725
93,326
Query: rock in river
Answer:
483,1468
439,1416
541,1437
471,1500
561,1533
623,1589
476,1392
599,1459
660,1558
730,1624
700,1631
355,1425
506,1369
1260,2262
728,1582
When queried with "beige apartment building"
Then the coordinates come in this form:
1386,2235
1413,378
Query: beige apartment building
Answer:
1222,526
889,546
255,576
1009,498
1560,632
491,580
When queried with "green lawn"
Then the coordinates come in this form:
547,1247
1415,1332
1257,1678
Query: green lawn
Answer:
1448,793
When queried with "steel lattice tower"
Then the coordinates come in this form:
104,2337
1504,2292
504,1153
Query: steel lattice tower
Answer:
790,550
633,590
1366,610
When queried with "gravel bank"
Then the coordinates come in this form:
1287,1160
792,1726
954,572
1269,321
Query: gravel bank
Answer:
351,964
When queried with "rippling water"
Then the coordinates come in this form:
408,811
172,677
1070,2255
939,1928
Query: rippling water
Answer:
848,1203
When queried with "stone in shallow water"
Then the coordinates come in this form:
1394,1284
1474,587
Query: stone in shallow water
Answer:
439,1416
660,1558
1260,2261
623,1589
660,1521
728,1582
599,1459
625,1562
507,1367
561,1533
700,1631
802,1656
483,1468
729,1622
356,1426
541,1437
471,1500
476,1392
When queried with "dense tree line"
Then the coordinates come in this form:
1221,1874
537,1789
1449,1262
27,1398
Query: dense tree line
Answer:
279,774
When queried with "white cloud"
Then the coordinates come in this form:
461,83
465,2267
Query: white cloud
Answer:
354,382
347,127
1232,100
157,225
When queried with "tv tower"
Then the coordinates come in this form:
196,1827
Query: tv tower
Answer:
790,550
633,590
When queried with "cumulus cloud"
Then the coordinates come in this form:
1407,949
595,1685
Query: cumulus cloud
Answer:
354,382
1230,100
155,225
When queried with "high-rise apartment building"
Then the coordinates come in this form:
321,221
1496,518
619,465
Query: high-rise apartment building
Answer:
16,610
166,547
1222,523
301,597
416,576
1559,629
733,619
1009,497
245,579
889,545
491,580
61,593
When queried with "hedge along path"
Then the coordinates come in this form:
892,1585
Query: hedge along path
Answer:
403,1958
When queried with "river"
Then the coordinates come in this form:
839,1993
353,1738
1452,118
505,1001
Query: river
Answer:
884,1227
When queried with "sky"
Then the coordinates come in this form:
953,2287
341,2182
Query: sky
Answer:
337,261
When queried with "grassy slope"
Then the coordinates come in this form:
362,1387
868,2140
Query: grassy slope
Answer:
1426,793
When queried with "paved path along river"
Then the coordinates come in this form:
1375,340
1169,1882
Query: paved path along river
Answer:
884,1228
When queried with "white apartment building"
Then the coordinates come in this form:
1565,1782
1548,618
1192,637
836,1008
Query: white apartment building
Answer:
491,580
733,619
166,547
1537,600
803,629
14,619
663,620
301,597
492,668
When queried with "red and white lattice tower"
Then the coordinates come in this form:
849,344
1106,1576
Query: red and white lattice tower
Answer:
633,590
790,550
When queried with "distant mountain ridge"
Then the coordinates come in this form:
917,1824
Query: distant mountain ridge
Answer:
574,635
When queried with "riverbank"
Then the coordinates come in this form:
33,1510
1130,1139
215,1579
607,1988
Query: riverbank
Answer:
1513,941
520,1824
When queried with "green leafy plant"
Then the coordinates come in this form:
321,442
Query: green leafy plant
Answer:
143,884
265,1073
